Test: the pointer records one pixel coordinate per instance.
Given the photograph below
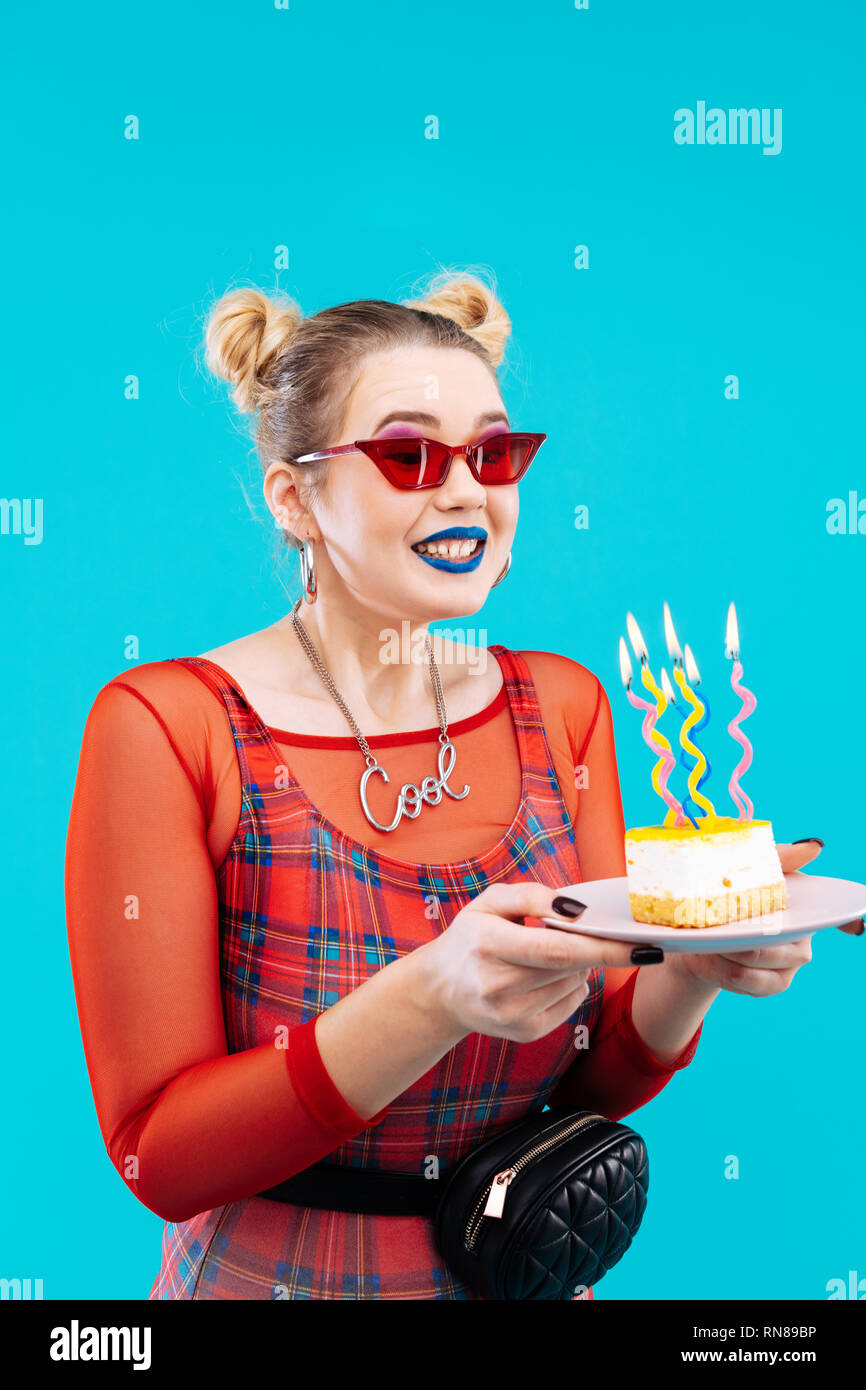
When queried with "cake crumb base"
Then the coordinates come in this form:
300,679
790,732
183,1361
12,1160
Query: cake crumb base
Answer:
667,911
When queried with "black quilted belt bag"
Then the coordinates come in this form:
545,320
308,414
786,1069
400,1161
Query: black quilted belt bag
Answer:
540,1211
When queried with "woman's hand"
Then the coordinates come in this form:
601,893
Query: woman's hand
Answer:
765,969
794,856
491,973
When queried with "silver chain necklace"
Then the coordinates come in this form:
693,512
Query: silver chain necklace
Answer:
411,797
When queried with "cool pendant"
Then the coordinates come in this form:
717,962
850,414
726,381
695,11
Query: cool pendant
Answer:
411,797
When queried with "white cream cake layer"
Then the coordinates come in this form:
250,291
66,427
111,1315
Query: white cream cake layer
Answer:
684,863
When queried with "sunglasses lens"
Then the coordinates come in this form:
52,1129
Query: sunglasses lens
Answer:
410,463
504,458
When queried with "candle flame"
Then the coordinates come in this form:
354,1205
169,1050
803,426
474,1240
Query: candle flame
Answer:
732,634
674,651
668,688
693,675
624,663
636,638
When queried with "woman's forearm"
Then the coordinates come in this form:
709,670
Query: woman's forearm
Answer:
378,1040
382,1037
667,1008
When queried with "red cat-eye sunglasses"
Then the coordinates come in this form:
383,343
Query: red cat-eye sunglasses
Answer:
415,463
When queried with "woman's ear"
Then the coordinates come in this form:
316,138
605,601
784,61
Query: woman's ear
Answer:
281,494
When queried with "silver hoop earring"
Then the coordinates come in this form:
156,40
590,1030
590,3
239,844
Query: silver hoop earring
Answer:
308,570
504,572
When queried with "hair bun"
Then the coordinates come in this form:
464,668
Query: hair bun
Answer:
245,330
473,305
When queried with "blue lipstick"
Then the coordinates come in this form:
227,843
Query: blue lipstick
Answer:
456,533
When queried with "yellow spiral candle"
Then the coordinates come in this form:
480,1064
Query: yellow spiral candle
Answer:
692,719
689,722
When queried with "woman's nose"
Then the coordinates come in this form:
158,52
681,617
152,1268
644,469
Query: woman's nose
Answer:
461,479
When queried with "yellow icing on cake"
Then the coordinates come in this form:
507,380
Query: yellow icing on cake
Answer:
707,827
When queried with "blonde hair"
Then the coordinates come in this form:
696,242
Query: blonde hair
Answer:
296,374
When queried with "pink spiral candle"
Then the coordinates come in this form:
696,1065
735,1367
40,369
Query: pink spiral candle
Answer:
656,742
732,644
742,801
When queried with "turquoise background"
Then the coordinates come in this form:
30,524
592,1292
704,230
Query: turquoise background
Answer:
306,127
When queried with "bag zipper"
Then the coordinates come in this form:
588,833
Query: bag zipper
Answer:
495,1192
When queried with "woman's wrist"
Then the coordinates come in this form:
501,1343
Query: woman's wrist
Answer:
379,1039
427,992
668,1007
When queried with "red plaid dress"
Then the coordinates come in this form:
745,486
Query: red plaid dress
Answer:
306,915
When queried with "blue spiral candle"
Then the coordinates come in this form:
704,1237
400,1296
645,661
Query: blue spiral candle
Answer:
685,761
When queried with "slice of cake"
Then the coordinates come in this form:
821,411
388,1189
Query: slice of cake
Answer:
721,871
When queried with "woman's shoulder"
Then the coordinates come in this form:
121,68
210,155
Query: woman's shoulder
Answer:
570,695
563,675
161,716
169,685
182,699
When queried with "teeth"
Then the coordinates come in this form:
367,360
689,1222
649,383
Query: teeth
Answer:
449,550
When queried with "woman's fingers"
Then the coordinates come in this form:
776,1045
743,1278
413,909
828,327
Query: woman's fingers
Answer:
518,900
794,856
802,852
780,957
535,980
559,952
532,958
556,1013
743,979
551,995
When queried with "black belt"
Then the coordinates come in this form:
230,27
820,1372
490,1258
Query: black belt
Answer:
366,1190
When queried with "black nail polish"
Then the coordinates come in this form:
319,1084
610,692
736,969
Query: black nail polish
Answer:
807,839
647,955
568,907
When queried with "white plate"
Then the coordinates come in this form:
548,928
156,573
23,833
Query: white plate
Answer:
813,903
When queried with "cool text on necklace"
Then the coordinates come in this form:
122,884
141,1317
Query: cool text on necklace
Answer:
411,797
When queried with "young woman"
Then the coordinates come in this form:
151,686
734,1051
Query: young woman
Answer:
302,868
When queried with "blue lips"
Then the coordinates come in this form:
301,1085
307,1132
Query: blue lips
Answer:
456,533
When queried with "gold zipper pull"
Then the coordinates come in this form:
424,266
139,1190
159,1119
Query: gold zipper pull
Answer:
498,1189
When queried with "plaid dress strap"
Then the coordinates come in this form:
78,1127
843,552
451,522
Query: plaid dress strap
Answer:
307,914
